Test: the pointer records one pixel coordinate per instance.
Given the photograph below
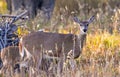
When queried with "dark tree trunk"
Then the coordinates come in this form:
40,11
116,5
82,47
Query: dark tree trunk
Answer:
32,6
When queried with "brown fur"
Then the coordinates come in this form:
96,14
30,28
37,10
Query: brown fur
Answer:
39,44
59,44
10,55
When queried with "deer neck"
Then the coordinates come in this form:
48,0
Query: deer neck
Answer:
78,42
81,39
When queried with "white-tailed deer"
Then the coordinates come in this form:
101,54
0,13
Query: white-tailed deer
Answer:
54,45
9,56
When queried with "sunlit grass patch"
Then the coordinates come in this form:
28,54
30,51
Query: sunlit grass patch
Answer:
3,6
101,48
22,31
103,41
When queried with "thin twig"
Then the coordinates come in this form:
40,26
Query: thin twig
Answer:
12,16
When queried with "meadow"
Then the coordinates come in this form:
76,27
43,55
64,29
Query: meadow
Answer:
101,54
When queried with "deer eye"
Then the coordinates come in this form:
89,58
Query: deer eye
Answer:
86,24
81,24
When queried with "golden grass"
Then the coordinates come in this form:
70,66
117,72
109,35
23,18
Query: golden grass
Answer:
3,6
103,41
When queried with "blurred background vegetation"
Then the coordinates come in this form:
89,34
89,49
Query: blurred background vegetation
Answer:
103,39
107,14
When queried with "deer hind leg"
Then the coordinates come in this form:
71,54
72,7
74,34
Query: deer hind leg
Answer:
25,58
21,50
28,54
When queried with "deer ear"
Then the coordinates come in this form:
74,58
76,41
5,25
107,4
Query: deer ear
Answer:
91,19
76,19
